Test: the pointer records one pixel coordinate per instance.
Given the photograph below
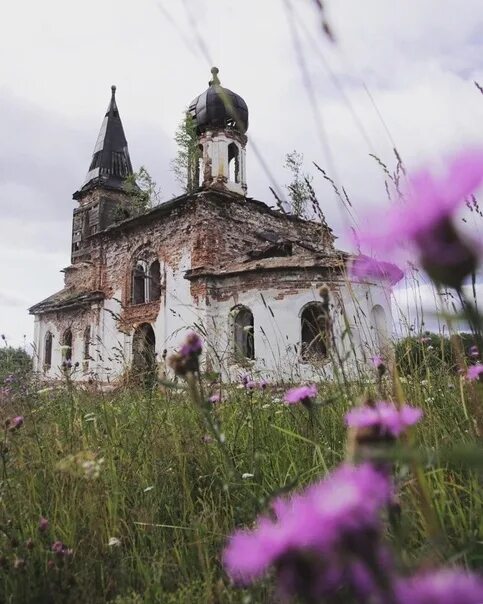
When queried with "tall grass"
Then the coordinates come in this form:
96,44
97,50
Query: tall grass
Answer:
171,496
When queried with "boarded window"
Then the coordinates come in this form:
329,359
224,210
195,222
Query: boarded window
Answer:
315,327
154,281
67,344
243,336
48,350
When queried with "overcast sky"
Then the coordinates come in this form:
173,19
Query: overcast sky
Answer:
416,59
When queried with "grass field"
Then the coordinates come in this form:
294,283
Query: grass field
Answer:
143,497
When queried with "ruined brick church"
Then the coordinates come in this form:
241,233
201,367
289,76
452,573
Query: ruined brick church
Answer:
244,275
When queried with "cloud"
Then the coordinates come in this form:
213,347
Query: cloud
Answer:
416,59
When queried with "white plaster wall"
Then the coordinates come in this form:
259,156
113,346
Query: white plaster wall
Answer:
44,325
181,313
277,332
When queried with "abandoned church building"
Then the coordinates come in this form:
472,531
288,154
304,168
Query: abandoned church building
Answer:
242,274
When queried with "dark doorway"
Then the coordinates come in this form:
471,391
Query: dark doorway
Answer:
144,354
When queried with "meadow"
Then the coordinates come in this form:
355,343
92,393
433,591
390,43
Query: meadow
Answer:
128,496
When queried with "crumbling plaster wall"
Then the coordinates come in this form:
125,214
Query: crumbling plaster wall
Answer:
57,323
277,300
206,230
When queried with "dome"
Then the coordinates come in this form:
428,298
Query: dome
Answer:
218,107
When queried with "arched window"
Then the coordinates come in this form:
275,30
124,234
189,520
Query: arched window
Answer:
154,281
233,163
243,336
67,343
315,331
139,283
144,353
48,350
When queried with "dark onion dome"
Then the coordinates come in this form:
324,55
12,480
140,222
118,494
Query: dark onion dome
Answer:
218,107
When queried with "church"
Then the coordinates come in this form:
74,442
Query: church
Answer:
267,291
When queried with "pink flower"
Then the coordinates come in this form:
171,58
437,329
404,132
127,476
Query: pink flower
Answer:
474,352
429,200
474,372
385,416
192,346
342,509
377,361
363,267
43,524
60,549
15,423
215,398
444,586
302,394
424,220
250,384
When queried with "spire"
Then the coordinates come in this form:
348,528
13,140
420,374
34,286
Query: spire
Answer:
110,161
216,80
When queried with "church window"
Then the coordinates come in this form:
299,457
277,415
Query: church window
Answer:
48,350
154,281
233,163
243,333
315,331
67,344
139,283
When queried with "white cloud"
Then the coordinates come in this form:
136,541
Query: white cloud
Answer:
418,60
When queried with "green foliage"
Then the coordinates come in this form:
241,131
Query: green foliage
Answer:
186,163
143,194
416,355
299,187
168,495
14,362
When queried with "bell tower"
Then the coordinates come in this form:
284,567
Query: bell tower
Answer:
102,198
221,120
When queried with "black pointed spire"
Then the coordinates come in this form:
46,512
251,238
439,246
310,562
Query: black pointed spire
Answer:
110,161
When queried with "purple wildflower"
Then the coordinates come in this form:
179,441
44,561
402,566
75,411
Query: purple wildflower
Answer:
215,398
344,508
43,524
301,394
250,384
424,220
475,372
364,267
60,549
192,345
385,416
445,586
187,359
428,201
474,352
15,423
377,361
